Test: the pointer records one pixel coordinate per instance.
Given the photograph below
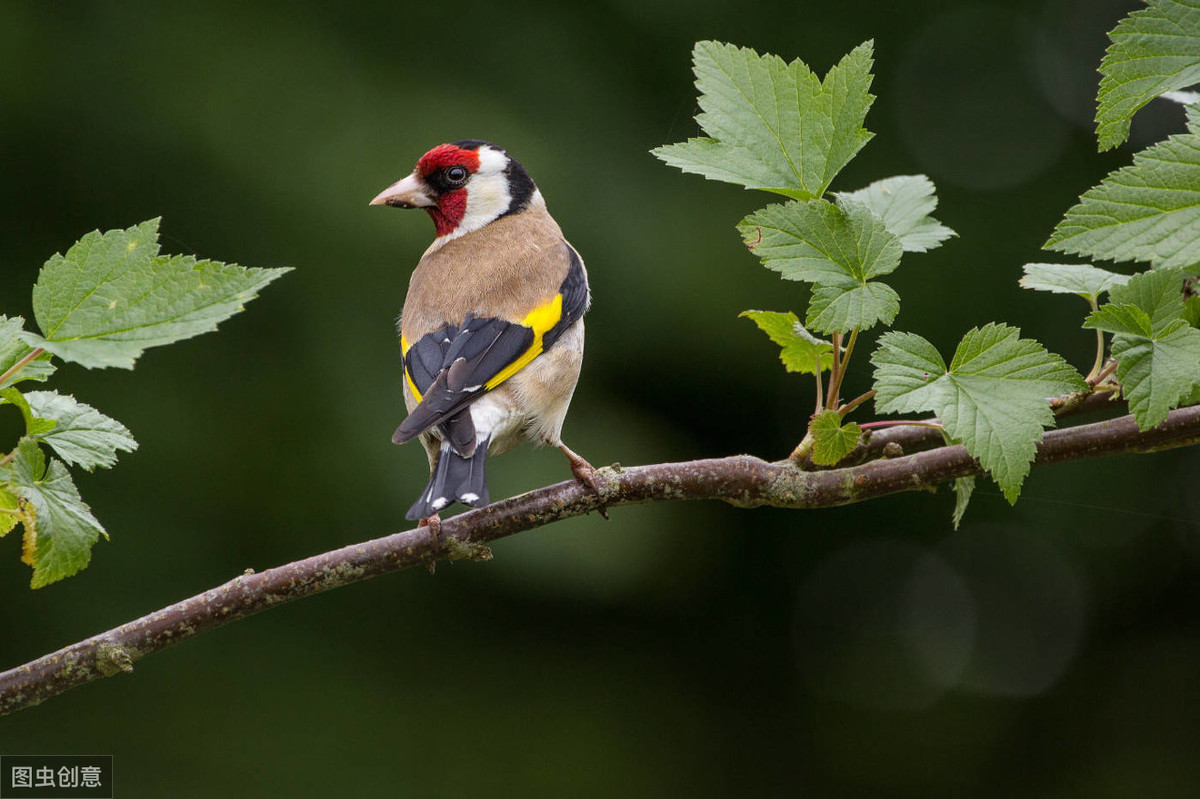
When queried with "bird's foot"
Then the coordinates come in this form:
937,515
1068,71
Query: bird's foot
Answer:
434,523
585,473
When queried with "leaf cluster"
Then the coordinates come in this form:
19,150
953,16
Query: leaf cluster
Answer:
775,126
1147,212
108,299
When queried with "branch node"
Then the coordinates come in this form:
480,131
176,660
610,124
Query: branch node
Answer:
609,484
892,449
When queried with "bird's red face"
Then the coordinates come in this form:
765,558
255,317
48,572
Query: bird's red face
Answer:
463,186
447,168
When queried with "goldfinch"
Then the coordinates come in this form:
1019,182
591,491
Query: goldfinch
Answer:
492,327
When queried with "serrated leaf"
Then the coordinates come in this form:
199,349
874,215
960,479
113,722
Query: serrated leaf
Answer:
840,248
774,125
1154,50
1083,280
34,425
13,350
964,487
1120,317
9,517
60,541
1157,373
112,296
1156,347
1160,294
913,368
992,398
83,436
852,305
799,350
905,203
1149,211
832,440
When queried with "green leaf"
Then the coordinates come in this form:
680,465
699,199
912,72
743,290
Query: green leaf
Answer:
9,517
992,398
964,487
905,203
1154,50
908,373
83,436
774,125
852,305
34,424
13,350
1084,280
1120,317
112,296
832,440
60,541
1157,349
1160,294
1193,117
1191,308
837,247
800,350
1157,373
1149,211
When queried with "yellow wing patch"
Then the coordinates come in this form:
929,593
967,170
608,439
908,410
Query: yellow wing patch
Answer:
541,319
411,385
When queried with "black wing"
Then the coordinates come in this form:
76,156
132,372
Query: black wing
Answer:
576,299
455,365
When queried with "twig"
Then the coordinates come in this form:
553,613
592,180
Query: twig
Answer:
886,423
1098,378
834,372
741,480
21,364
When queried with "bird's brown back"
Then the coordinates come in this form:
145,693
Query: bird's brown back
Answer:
502,270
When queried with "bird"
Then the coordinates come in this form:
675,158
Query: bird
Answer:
491,331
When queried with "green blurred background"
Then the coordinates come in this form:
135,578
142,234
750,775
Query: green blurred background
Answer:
1047,650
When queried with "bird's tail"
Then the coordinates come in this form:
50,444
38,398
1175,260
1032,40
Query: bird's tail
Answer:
455,479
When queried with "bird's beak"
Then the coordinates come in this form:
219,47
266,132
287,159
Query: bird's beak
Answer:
411,192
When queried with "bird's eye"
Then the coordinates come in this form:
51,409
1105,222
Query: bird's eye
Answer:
456,174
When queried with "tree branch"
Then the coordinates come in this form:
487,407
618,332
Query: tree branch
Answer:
740,480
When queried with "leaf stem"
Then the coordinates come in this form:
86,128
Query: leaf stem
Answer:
845,363
820,388
854,403
1098,378
1099,348
899,422
841,358
849,349
803,449
834,372
21,364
